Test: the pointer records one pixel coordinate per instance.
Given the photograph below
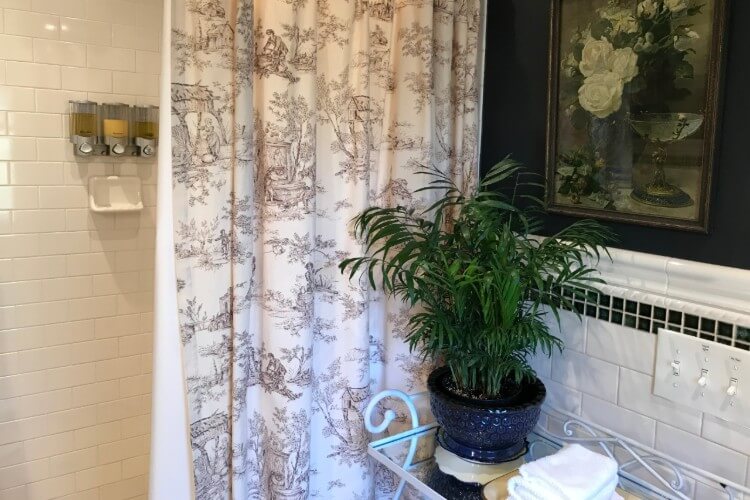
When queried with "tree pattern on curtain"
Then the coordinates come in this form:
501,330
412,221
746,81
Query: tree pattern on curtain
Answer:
288,118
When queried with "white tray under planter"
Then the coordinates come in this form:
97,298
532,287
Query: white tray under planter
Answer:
115,193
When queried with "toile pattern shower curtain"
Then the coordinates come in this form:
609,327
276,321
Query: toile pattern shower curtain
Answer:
288,118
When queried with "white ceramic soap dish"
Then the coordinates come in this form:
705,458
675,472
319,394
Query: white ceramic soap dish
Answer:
115,193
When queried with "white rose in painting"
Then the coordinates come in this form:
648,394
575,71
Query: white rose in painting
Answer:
595,57
647,9
686,41
624,62
601,94
675,6
624,23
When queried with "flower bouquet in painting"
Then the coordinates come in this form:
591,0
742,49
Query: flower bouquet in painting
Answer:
621,65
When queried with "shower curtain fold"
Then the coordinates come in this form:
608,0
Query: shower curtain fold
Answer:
288,117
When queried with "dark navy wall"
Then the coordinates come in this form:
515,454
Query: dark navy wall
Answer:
514,121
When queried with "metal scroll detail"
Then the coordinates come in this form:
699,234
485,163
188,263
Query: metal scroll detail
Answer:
608,444
388,417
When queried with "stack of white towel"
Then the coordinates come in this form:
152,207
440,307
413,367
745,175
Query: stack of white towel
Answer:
573,473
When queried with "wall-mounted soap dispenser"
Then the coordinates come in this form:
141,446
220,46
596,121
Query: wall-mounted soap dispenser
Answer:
85,128
116,128
145,121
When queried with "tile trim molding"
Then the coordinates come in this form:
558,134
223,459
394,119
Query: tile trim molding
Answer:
648,292
706,284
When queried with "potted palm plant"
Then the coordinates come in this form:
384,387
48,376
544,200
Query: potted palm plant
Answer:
481,285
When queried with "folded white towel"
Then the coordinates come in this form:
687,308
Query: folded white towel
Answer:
573,473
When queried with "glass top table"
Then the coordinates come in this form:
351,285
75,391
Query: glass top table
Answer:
423,479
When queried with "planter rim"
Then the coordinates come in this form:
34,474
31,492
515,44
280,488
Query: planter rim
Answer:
532,395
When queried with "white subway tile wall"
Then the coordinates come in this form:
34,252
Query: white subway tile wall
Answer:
75,287
607,379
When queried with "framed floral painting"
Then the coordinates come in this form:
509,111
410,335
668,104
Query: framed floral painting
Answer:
633,102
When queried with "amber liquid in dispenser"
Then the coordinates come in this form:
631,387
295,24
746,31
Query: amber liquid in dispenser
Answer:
147,130
84,124
115,128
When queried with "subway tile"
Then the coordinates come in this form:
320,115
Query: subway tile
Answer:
135,37
701,453
18,245
93,307
635,394
147,62
620,420
102,57
17,99
17,148
27,74
571,329
58,52
47,446
118,368
23,384
135,260
136,426
117,451
90,263
85,31
71,375
16,4
134,386
41,313
38,221
135,83
109,97
98,434
111,240
79,173
53,149
7,321
71,242
92,80
3,79
98,476
34,405
70,420
72,8
118,410
95,350
78,219
18,197
118,326
117,283
68,332
19,430
5,228
38,267
728,434
584,373
19,339
623,346
561,397
3,131
16,48
63,197
135,466
44,358
66,288
98,392
12,454
108,10
24,473
19,292
53,487
34,124
136,344
36,173
35,24
56,101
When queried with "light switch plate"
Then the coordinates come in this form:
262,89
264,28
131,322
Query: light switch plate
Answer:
719,365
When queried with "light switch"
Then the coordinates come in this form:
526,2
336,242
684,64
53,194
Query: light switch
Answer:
714,375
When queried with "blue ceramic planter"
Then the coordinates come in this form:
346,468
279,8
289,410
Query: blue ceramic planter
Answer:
489,431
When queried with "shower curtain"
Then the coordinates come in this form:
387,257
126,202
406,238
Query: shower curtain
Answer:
288,117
